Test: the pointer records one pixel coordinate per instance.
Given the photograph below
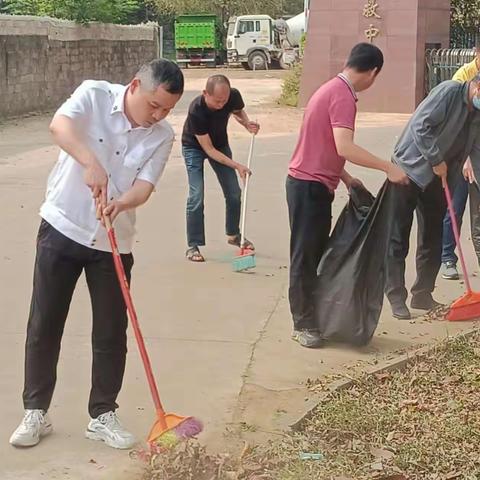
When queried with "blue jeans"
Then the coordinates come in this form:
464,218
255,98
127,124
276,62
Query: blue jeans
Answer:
460,196
227,177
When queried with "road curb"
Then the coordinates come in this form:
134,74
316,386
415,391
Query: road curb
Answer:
398,363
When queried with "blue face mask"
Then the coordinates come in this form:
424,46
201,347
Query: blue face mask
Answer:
476,103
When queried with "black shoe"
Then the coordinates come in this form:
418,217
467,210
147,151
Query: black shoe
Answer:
424,302
401,311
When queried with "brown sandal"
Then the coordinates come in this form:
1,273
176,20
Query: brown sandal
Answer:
193,254
236,242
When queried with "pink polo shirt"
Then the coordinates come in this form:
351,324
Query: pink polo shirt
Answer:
315,156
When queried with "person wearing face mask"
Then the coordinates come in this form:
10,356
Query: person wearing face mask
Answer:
462,188
441,134
114,143
205,137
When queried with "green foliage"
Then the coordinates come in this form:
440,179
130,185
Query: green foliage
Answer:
291,86
227,8
22,7
82,11
303,40
465,14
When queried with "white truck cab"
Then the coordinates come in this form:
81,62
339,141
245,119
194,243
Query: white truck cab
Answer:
257,41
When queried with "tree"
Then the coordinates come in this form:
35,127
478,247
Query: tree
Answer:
465,14
82,11
465,23
227,8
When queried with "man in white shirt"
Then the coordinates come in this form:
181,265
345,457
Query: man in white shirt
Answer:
114,146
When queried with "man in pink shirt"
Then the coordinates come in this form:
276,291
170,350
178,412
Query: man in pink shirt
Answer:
316,168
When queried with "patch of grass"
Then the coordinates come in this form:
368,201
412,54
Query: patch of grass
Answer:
421,423
291,86
247,427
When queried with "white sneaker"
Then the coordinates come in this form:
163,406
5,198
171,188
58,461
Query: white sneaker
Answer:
107,428
35,425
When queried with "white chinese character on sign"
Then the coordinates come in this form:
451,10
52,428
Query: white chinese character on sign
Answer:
370,9
371,33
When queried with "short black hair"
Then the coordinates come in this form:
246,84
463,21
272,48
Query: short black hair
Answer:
215,80
162,72
365,57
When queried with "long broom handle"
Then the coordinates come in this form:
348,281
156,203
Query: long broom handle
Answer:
456,233
122,280
245,193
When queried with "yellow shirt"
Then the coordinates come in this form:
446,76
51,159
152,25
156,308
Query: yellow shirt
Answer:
467,72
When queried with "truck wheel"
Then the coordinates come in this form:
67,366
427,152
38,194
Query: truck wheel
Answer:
283,65
257,60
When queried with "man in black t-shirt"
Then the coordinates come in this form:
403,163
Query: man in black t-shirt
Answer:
205,137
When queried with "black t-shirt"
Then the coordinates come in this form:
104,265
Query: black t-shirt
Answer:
201,120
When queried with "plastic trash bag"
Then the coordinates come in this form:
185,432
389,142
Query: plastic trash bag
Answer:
351,275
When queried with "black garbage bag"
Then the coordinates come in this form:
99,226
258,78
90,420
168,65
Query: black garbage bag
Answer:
351,280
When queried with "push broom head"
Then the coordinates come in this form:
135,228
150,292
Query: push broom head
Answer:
178,429
244,261
466,307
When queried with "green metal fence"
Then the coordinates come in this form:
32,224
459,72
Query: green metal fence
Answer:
442,64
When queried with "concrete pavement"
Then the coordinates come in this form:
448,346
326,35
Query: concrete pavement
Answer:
219,341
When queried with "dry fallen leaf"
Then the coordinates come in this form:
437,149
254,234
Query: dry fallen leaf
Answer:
231,475
451,379
377,466
382,454
409,402
452,475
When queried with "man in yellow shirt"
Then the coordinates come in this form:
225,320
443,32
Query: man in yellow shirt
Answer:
469,70
462,188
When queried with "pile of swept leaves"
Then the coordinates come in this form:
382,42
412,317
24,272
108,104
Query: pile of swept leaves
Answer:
422,423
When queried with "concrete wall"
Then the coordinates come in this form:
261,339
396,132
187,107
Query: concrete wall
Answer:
43,60
405,28
169,40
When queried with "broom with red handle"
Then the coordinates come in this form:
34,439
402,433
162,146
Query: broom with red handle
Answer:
169,425
467,307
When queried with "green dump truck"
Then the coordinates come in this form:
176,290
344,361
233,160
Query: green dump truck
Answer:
198,40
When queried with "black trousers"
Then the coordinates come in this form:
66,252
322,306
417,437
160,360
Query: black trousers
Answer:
474,195
430,205
310,214
58,265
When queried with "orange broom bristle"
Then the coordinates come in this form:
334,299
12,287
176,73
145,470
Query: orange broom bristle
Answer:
466,307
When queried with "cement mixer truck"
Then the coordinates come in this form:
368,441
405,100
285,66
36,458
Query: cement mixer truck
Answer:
257,42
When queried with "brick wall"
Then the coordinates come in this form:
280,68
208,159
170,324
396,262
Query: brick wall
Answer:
43,60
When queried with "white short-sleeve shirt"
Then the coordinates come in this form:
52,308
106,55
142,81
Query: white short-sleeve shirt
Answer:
126,153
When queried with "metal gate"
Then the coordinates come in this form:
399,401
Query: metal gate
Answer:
442,65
